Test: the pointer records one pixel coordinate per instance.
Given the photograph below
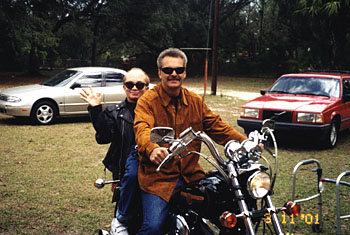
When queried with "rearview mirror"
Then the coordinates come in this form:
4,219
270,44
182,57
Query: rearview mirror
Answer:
162,135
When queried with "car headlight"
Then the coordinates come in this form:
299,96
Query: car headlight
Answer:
9,98
310,117
247,112
258,184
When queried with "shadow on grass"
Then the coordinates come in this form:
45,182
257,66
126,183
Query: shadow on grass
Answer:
19,121
308,144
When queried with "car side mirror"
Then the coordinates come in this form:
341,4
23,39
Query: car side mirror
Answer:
263,92
346,98
75,85
162,135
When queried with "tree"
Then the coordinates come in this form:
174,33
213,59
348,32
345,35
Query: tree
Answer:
27,35
329,21
254,35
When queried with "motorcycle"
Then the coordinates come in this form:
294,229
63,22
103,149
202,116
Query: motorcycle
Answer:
226,200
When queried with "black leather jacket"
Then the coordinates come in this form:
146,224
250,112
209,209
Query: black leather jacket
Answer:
114,125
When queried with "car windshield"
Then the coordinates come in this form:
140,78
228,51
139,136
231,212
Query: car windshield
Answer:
307,86
61,78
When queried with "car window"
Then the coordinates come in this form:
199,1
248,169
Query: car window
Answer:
346,86
61,79
307,86
93,79
113,78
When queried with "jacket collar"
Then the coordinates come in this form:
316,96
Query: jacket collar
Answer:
166,99
121,105
123,112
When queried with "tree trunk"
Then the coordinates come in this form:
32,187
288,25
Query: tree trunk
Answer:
214,71
33,63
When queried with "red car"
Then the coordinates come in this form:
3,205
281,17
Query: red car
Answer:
313,105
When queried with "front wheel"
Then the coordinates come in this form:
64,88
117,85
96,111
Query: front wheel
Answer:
331,137
44,113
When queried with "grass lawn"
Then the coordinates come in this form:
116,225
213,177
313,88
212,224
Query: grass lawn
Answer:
47,172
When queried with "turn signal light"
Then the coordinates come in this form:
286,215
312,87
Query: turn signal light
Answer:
292,209
228,219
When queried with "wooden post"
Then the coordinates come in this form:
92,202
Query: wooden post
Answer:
214,71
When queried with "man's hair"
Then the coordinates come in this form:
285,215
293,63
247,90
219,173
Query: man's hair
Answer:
172,52
135,69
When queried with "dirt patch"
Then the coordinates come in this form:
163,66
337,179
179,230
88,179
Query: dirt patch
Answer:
244,95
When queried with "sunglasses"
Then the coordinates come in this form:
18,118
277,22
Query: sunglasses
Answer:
168,70
139,85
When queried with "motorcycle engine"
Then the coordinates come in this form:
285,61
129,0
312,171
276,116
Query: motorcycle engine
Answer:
209,198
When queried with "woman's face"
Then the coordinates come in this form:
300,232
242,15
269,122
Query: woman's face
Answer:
133,78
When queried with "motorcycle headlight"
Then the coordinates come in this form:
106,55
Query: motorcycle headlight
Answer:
258,184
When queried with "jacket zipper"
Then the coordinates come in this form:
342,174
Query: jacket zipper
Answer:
121,150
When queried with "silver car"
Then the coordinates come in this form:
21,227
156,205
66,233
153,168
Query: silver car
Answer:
59,95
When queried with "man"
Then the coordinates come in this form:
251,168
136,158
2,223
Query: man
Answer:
169,104
115,125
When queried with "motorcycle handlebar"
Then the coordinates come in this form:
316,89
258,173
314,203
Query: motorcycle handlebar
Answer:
166,159
179,145
100,183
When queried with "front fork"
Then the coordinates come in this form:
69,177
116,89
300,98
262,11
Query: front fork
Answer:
274,218
241,202
244,208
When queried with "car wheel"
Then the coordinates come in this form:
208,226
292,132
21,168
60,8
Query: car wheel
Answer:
331,137
44,113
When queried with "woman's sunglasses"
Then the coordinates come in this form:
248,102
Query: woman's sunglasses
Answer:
168,70
139,85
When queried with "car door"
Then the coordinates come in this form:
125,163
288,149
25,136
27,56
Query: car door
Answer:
346,91
113,91
73,103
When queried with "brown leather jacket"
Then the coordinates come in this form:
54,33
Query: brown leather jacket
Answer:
155,108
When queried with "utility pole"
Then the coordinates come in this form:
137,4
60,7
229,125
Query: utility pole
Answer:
214,71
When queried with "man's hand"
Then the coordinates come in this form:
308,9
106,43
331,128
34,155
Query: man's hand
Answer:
90,97
158,155
262,146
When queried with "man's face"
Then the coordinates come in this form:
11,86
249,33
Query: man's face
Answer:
172,82
134,78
